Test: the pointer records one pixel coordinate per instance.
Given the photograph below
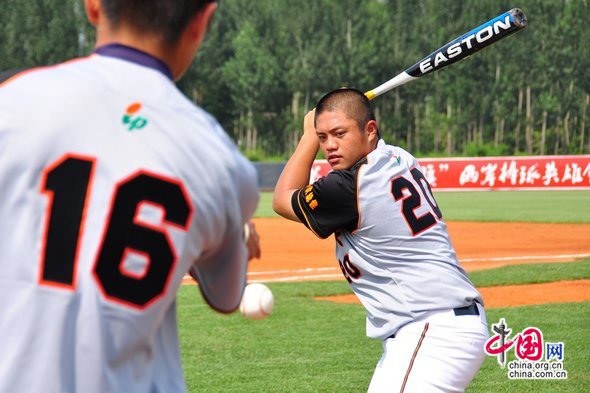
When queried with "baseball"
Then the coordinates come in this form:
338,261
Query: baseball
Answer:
257,301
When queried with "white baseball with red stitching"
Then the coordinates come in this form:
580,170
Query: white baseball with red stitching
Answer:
257,301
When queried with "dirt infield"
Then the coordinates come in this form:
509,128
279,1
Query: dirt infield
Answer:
518,295
292,253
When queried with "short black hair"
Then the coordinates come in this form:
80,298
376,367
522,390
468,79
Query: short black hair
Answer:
165,19
351,101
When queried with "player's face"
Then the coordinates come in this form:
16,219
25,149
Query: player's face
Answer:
341,140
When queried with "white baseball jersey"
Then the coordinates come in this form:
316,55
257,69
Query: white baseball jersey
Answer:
391,242
112,185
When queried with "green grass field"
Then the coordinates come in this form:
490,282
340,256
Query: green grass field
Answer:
317,346
308,345
527,206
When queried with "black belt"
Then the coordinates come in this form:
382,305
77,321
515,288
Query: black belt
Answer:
467,310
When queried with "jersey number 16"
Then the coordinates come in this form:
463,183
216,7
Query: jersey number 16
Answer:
67,184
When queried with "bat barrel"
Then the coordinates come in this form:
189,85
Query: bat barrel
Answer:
482,36
519,17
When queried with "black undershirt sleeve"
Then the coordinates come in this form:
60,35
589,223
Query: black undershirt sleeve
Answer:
329,204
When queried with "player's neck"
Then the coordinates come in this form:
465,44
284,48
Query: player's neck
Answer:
374,143
145,43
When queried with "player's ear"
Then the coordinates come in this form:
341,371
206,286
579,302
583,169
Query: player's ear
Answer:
198,25
92,11
190,39
371,130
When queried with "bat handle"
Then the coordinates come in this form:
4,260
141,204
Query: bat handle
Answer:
399,79
370,94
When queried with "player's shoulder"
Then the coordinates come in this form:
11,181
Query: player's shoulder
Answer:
46,88
204,127
339,181
390,156
6,76
15,78
40,74
329,204
337,188
201,128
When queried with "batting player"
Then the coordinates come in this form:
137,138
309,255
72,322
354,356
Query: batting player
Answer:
112,186
392,246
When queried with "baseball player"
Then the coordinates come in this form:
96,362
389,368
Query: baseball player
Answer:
392,246
112,186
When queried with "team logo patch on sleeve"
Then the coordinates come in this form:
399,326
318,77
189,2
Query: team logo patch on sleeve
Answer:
132,121
310,197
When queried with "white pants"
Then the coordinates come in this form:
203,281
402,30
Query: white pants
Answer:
441,352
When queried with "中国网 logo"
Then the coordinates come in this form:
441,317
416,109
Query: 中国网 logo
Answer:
535,358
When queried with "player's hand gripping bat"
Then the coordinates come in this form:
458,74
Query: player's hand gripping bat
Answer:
491,31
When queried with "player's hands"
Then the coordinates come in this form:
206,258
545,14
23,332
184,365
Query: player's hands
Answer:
308,124
252,240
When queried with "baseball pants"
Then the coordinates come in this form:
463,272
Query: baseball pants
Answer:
440,352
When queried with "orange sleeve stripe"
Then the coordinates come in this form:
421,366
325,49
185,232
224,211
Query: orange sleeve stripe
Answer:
305,215
19,74
25,72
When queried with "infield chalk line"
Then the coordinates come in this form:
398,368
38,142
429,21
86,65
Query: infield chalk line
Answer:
565,256
299,278
306,270
295,274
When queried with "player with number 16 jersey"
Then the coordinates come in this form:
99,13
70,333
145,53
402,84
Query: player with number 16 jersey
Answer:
113,185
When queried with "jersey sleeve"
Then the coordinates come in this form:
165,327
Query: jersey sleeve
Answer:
221,272
329,204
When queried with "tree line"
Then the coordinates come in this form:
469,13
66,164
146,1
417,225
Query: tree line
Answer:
265,63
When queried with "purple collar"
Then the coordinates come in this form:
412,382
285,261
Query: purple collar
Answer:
133,55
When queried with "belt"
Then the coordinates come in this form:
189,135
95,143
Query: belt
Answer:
467,310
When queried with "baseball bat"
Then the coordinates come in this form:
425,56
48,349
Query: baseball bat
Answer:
475,40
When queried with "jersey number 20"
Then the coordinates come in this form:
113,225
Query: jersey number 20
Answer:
67,185
413,200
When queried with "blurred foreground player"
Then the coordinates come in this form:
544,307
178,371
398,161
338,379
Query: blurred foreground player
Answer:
392,247
112,187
